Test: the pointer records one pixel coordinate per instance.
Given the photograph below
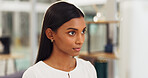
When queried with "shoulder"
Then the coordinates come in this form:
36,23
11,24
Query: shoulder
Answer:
88,67
31,71
84,62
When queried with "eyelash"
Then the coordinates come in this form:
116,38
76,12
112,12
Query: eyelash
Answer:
84,31
73,32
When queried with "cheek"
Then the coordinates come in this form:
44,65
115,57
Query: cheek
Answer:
65,44
69,40
65,40
83,37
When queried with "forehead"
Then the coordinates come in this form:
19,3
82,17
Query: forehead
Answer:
78,23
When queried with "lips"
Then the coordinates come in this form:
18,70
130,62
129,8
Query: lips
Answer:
77,49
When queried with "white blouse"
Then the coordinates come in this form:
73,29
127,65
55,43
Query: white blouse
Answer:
83,69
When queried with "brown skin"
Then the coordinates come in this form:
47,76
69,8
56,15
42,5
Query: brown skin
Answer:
67,41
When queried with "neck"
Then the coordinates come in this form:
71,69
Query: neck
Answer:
61,61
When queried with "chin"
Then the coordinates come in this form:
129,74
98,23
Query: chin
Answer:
76,54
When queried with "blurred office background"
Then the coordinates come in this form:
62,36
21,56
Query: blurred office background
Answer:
20,27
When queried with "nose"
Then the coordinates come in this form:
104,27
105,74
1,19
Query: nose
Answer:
80,39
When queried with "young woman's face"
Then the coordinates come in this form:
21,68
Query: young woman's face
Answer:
70,36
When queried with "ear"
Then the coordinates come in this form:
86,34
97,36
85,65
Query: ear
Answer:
49,33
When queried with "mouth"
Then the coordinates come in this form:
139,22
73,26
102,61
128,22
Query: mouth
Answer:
77,49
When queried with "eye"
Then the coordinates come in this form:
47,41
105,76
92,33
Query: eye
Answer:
72,33
84,31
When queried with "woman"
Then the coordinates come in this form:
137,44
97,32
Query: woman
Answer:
62,36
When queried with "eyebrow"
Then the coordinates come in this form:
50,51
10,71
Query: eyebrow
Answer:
74,28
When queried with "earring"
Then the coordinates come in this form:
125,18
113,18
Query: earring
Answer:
51,40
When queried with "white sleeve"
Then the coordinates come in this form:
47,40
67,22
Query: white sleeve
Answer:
29,74
92,70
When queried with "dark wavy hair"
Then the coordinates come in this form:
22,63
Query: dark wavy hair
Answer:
56,15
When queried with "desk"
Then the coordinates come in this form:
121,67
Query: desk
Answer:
100,55
6,57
